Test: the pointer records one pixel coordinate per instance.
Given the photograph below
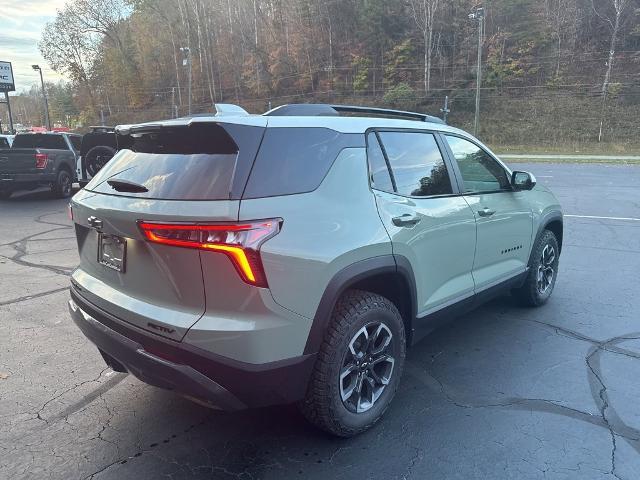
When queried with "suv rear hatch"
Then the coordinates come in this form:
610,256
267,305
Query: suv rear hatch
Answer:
185,172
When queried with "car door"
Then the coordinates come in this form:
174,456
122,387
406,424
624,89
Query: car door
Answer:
504,217
428,221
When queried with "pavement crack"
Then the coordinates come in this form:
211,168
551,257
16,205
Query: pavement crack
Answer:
32,296
55,397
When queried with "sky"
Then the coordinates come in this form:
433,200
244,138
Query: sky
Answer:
21,24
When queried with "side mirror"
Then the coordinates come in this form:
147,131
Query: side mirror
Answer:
522,181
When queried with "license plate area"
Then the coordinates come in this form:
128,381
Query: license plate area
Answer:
112,251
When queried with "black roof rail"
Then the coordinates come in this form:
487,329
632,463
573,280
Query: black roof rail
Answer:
321,109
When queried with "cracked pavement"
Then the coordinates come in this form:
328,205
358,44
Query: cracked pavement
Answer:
503,392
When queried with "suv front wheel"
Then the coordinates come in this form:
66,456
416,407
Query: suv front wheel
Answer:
543,271
359,365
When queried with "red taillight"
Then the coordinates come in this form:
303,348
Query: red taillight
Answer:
240,242
70,212
41,160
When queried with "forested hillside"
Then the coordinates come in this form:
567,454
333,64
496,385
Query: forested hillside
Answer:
553,70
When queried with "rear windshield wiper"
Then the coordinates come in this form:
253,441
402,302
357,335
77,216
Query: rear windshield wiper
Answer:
126,186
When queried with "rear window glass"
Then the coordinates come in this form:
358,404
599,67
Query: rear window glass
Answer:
295,160
174,163
40,141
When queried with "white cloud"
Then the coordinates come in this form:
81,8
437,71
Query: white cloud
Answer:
21,25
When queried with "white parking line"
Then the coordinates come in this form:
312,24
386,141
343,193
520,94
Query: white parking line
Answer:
605,218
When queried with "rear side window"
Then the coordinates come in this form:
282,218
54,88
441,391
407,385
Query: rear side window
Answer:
417,166
173,163
380,178
295,160
37,140
4,143
76,141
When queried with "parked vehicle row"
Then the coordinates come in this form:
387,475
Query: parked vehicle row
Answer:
53,159
39,159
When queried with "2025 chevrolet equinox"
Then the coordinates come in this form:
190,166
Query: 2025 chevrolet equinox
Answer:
250,260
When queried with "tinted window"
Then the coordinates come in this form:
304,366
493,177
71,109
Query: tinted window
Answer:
480,172
380,178
416,163
76,141
38,140
4,143
295,160
178,163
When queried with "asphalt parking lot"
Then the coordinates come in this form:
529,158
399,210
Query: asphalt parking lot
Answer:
503,392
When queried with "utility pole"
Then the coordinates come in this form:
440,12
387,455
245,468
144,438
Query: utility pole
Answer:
478,14
173,102
186,62
445,110
44,95
6,97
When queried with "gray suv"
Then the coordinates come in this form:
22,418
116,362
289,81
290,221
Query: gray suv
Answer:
250,260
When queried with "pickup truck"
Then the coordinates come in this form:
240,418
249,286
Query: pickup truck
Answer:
40,159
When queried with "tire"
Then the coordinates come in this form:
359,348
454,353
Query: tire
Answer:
543,271
62,186
356,312
97,157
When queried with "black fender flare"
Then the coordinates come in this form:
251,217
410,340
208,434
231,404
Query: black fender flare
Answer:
545,220
348,277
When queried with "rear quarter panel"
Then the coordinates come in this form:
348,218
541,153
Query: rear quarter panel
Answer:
323,231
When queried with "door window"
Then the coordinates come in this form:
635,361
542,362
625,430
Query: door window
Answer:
380,177
76,141
417,166
480,172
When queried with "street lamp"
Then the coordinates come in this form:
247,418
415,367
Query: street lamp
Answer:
478,14
44,94
186,61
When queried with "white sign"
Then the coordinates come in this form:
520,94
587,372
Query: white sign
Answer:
6,77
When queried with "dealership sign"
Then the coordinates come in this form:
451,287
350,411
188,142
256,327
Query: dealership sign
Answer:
6,77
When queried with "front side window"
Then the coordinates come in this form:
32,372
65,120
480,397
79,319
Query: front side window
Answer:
480,172
417,166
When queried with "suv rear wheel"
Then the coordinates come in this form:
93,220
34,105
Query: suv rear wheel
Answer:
543,271
359,365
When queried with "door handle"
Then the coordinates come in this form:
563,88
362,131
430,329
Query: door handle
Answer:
485,212
405,220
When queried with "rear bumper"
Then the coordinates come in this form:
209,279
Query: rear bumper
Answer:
188,370
15,180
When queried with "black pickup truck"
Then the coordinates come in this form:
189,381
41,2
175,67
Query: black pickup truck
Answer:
39,159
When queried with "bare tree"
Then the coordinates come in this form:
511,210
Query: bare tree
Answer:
424,15
619,8
560,15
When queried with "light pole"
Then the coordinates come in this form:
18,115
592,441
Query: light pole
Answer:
478,14
186,61
44,94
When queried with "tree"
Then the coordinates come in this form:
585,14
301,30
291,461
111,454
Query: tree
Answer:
615,21
424,15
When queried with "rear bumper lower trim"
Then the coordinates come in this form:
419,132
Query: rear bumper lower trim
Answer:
188,370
